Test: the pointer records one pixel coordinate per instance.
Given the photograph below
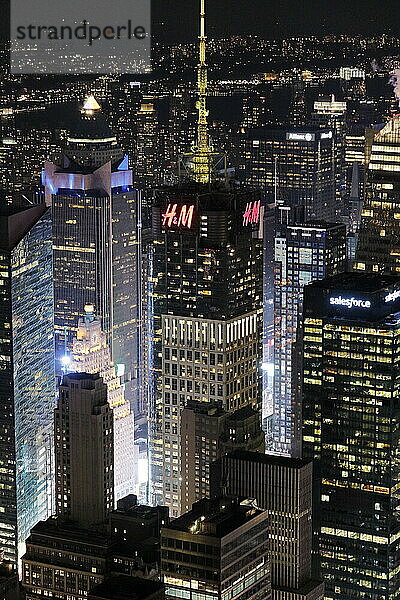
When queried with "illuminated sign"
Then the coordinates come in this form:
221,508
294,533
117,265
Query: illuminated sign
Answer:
300,137
392,296
326,135
349,302
252,213
178,216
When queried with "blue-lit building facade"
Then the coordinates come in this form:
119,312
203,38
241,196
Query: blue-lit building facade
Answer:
96,244
27,377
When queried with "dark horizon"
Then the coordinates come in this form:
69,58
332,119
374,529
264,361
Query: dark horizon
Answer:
275,20
177,20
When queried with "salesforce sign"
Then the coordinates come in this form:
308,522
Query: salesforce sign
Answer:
392,296
349,302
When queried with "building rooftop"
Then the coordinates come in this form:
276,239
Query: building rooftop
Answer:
269,459
61,528
124,587
280,132
79,377
245,412
317,225
361,282
16,220
216,517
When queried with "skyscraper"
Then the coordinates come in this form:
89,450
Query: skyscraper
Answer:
219,549
378,249
330,113
207,316
303,253
91,354
283,488
351,430
295,168
84,450
96,243
27,376
207,433
205,300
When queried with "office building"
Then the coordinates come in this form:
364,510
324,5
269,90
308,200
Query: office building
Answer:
147,152
63,561
351,384
207,433
204,300
95,242
303,253
295,168
330,113
91,354
283,488
219,549
206,316
378,249
137,522
27,377
84,450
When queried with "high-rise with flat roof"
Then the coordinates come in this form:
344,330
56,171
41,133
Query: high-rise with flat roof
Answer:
282,487
378,249
295,168
217,550
207,433
303,253
84,450
351,382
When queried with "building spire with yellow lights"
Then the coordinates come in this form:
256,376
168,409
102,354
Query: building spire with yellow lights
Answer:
202,152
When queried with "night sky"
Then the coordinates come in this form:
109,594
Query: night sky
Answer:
270,19
280,18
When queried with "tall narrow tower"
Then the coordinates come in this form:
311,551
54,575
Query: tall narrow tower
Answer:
202,153
91,354
84,460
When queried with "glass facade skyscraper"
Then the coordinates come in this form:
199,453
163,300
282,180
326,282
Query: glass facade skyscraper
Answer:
96,243
27,377
295,168
351,411
303,253
378,249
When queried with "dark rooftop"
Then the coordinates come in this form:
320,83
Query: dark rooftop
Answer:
79,377
124,587
284,461
361,282
216,517
61,528
279,132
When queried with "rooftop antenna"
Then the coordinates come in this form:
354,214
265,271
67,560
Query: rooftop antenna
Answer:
202,161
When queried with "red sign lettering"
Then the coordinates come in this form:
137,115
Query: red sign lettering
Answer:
176,216
252,213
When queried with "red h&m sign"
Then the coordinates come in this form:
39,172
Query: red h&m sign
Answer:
252,213
178,216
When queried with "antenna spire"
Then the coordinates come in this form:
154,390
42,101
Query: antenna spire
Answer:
202,150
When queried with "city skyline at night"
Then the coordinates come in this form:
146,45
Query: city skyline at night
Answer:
200,302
